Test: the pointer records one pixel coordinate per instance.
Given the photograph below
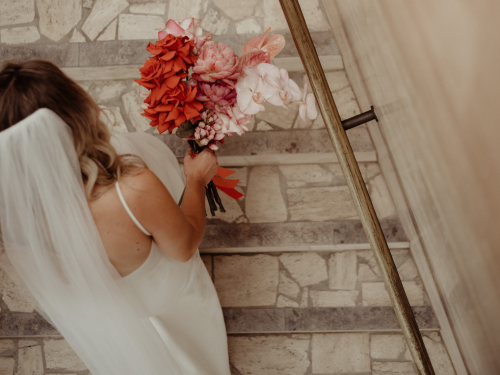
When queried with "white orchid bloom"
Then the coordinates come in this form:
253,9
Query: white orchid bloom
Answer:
307,108
289,90
251,92
256,87
230,125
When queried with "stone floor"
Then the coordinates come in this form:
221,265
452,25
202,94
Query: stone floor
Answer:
299,286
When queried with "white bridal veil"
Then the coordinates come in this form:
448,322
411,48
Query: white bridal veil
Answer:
52,244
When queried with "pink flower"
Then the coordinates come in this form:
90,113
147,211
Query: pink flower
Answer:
208,131
233,121
216,62
254,58
261,49
272,44
189,27
257,86
307,108
216,95
191,82
199,42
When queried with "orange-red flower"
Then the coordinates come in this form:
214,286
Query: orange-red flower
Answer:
171,102
169,107
172,55
174,48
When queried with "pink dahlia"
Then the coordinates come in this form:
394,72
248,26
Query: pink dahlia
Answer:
216,95
217,62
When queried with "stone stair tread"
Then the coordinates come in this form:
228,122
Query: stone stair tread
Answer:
322,319
277,142
342,232
262,320
25,324
289,159
299,248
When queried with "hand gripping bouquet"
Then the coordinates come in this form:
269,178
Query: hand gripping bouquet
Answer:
208,92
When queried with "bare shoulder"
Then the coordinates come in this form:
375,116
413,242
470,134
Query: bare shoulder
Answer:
141,179
150,201
142,187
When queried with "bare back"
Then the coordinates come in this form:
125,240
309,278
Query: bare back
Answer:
176,231
126,245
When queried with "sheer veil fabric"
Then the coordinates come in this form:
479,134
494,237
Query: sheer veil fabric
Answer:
52,246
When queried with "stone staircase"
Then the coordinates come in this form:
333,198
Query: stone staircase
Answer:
298,283
297,280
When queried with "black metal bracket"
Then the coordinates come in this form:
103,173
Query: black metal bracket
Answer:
360,119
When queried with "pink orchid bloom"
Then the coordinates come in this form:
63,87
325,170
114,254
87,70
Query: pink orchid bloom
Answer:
272,44
216,62
307,108
189,27
256,87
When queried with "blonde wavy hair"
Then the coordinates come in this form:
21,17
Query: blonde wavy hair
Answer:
30,85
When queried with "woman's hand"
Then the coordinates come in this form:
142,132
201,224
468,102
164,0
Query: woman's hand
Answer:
202,167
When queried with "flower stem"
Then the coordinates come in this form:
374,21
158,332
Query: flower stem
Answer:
215,193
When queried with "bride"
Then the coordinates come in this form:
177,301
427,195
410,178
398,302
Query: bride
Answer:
90,225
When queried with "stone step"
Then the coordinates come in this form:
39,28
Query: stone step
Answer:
322,320
289,159
343,352
132,52
337,235
288,291
122,72
254,321
281,147
311,190
308,279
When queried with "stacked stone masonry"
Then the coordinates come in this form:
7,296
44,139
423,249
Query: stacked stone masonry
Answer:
294,354
300,289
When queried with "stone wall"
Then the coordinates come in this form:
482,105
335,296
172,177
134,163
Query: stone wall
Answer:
298,283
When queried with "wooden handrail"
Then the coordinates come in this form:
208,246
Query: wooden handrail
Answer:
350,168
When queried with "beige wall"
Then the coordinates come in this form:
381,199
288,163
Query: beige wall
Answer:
432,71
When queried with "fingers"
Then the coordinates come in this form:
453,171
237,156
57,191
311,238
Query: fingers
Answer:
209,150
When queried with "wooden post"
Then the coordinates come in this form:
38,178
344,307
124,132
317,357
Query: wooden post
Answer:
349,165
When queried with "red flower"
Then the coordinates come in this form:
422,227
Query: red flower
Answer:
171,102
169,107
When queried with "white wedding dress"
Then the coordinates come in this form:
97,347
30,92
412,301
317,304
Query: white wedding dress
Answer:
162,319
181,297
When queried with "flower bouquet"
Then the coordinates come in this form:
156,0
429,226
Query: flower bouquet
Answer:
206,92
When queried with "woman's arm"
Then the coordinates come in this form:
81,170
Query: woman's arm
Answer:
177,231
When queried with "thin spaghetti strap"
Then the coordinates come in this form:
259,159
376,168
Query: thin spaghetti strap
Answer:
134,219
